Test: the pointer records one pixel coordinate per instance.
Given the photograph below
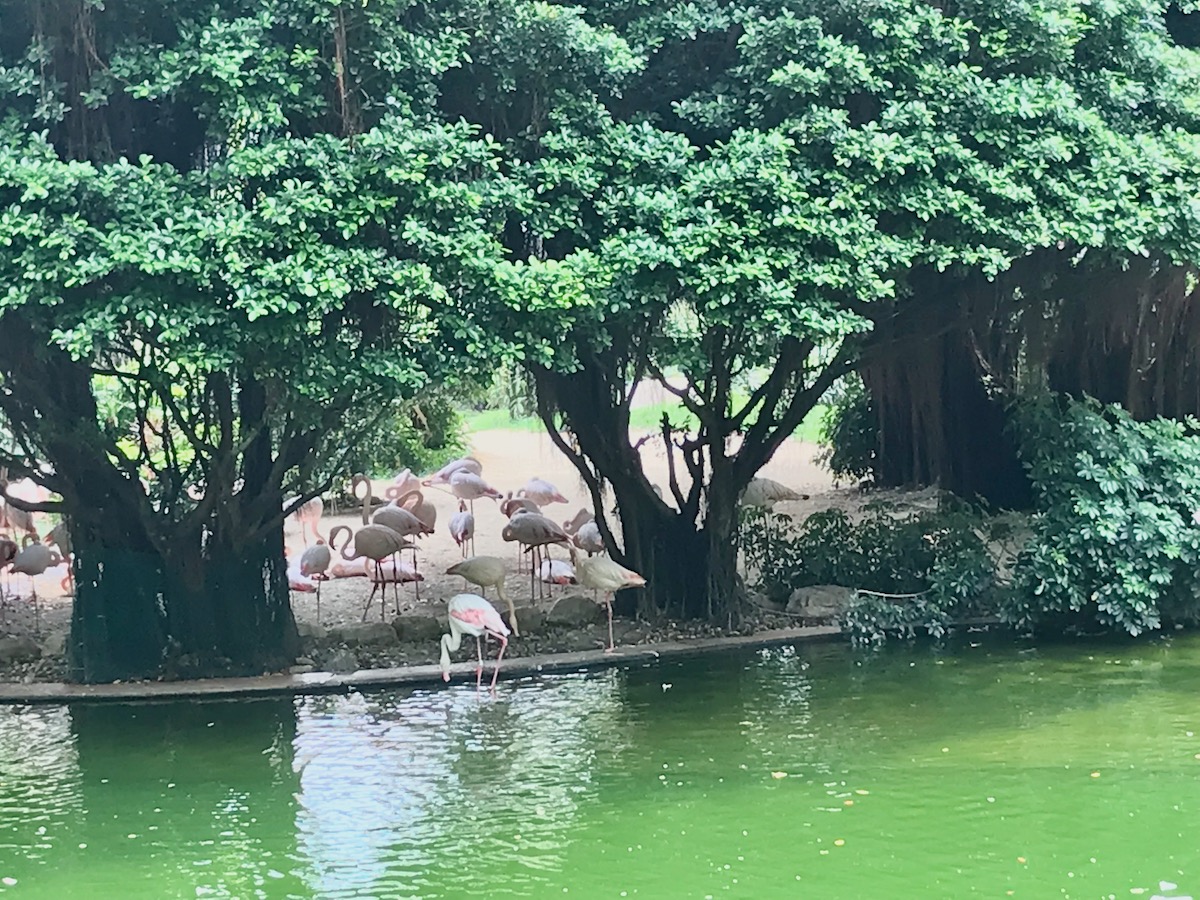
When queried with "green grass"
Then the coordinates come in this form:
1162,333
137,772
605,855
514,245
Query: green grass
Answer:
643,418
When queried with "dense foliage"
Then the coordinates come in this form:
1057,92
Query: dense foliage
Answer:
798,188
1115,544
254,220
421,434
912,568
849,430
233,237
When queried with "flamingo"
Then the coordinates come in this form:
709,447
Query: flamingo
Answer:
368,501
462,528
581,518
404,482
485,572
16,520
765,492
340,569
541,492
511,505
307,515
314,563
471,614
585,533
374,542
298,581
8,552
34,559
414,501
557,571
464,464
60,537
470,487
407,525
602,574
533,531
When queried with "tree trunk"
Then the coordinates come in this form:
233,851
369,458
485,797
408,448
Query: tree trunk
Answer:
938,424
688,557
226,611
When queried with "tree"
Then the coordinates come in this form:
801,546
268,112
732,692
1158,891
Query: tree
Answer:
240,224
763,197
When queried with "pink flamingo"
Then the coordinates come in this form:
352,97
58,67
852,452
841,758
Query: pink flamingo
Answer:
471,614
470,487
464,464
541,492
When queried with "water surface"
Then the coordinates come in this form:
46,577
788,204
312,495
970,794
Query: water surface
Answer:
1067,771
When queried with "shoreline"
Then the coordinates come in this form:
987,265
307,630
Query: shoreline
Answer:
423,675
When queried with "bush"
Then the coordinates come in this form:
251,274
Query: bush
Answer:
850,431
421,434
1114,543
937,561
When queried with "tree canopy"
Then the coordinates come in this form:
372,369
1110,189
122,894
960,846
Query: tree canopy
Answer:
254,219
247,223
761,197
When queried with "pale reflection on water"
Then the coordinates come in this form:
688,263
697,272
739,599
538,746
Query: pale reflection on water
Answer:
417,794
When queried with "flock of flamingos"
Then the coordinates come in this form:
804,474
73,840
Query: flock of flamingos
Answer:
393,524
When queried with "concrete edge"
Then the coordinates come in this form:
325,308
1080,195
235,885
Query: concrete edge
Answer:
12,693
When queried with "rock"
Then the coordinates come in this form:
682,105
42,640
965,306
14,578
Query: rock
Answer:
342,661
55,645
530,618
578,639
304,661
761,600
301,669
627,633
418,628
820,601
312,631
574,610
18,649
364,634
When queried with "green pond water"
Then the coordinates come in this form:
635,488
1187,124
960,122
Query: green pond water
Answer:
981,771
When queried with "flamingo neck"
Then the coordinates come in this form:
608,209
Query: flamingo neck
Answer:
451,641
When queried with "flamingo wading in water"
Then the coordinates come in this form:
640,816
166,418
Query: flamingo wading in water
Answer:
485,572
471,614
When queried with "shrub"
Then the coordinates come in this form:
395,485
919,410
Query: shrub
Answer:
937,561
849,430
1114,540
420,434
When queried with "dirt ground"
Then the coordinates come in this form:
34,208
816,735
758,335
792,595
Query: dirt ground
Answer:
508,459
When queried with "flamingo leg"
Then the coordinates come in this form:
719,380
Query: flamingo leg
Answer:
370,599
416,582
512,616
479,664
383,590
608,605
499,656
319,601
